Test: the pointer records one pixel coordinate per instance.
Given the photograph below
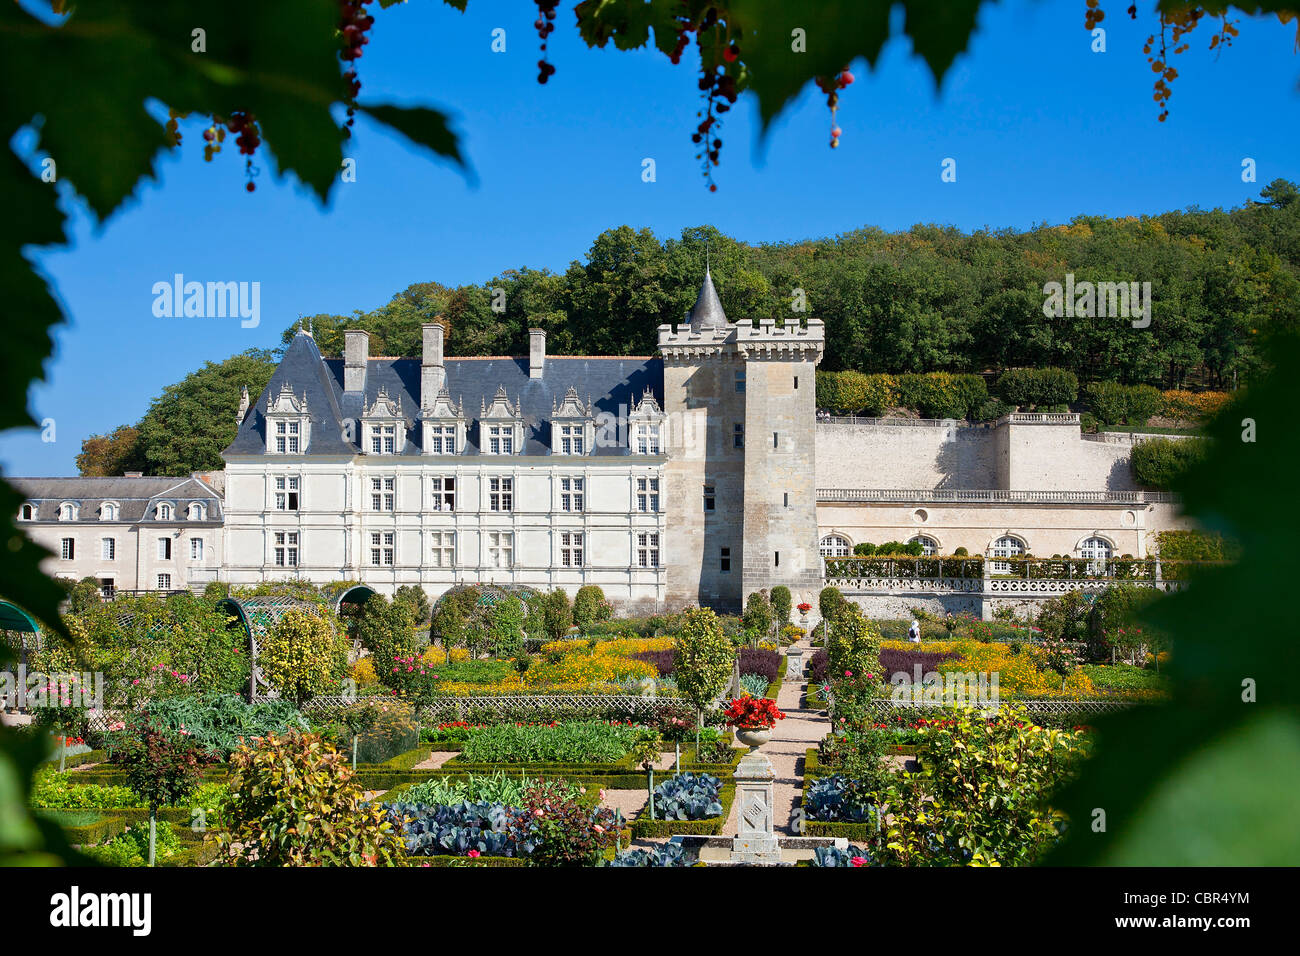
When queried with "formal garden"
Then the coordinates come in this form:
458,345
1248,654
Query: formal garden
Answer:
524,729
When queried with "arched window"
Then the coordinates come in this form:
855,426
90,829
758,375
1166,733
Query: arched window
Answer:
164,512
928,545
196,512
108,512
1007,546
835,546
67,511
28,513
1096,551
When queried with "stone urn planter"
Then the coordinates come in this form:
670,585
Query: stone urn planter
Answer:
753,737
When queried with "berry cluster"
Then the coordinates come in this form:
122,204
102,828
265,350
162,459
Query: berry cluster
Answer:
1094,14
831,86
213,137
247,138
1177,24
545,26
173,127
354,24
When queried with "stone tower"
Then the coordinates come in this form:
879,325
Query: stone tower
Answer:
740,401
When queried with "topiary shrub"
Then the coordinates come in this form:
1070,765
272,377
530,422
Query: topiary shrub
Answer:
417,600
388,630
293,802
702,657
853,645
590,607
829,601
782,602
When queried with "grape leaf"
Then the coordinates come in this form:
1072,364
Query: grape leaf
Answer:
423,126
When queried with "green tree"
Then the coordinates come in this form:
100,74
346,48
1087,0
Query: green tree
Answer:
589,607
758,616
853,645
782,602
702,660
303,655
556,613
113,454
387,630
417,599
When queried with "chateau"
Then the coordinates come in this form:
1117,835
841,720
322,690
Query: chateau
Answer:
700,474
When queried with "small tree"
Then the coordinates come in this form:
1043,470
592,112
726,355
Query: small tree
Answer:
829,601
589,606
782,602
293,802
387,630
417,600
758,616
702,657
853,645
557,615
162,766
83,595
304,655
506,627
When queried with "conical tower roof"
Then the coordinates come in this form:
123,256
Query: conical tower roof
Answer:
707,312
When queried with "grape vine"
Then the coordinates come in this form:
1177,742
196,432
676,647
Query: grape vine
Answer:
545,26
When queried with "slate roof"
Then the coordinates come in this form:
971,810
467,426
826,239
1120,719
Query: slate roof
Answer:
135,497
707,312
610,382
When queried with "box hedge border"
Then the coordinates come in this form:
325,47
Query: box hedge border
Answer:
643,826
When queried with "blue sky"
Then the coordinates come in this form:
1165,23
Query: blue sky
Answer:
1042,130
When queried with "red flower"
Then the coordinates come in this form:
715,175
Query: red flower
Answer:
753,713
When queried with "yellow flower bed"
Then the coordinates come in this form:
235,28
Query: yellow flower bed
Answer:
620,647
515,687
439,655
1019,675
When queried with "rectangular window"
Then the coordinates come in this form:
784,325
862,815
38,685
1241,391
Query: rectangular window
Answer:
710,498
724,561
107,587
442,440
571,549
293,438
500,549
646,439
164,582
501,494
647,549
281,431
787,499
571,494
444,494
383,493
778,559
108,549
796,383
647,495
164,549
571,440
775,441
444,549
383,439
68,549
196,549
501,440
740,380
286,492
286,549
738,435
383,549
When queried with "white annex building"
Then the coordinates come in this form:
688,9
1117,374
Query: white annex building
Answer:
697,475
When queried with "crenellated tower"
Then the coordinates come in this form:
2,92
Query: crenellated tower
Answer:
740,401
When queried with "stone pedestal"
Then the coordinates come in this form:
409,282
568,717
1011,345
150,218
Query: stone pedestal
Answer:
794,663
756,840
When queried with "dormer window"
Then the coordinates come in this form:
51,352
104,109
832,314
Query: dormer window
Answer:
67,511
444,426
573,427
287,423
27,513
385,426
164,512
501,426
108,511
197,512
383,439
644,423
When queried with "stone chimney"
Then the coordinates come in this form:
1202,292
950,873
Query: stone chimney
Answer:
356,358
536,352
133,474
433,374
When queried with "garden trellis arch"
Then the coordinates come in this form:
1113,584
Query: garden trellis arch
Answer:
15,621
257,615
